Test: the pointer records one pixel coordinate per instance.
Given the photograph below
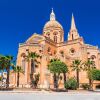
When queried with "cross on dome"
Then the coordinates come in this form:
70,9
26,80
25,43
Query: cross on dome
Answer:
52,15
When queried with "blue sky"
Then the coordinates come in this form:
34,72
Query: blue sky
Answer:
19,19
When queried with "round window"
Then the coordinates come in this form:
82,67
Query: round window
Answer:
72,51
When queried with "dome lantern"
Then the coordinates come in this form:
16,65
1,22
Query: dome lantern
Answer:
53,22
52,15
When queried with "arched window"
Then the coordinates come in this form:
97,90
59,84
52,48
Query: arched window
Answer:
93,57
60,37
55,52
23,64
88,53
48,35
49,49
72,37
55,38
62,53
23,55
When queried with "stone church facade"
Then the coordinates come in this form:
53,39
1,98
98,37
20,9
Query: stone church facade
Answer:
50,44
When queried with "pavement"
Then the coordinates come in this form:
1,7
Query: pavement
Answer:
44,91
45,95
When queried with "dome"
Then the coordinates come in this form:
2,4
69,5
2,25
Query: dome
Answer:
53,23
53,30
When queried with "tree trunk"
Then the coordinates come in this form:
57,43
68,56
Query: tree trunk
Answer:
64,74
77,73
57,79
90,83
54,78
28,72
32,71
7,80
18,79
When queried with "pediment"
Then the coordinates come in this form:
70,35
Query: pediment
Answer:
35,38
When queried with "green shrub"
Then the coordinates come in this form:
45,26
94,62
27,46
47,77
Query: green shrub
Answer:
71,84
85,86
95,74
0,78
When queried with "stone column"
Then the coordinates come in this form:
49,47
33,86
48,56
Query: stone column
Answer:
46,84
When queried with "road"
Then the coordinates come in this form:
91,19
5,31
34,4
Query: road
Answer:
49,96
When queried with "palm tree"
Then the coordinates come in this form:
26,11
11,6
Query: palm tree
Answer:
64,74
32,56
18,70
2,62
54,72
57,67
9,61
6,63
77,66
88,66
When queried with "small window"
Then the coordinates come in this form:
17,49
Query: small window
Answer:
55,33
88,53
72,51
55,52
62,53
72,37
49,49
88,58
40,51
27,49
48,35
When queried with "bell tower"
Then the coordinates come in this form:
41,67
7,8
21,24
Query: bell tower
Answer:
73,34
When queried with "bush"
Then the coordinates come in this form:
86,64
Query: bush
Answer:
95,74
98,87
0,78
85,86
71,84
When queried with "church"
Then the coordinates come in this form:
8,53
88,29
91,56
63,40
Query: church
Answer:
50,44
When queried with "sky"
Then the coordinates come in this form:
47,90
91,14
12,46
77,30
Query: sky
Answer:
19,19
